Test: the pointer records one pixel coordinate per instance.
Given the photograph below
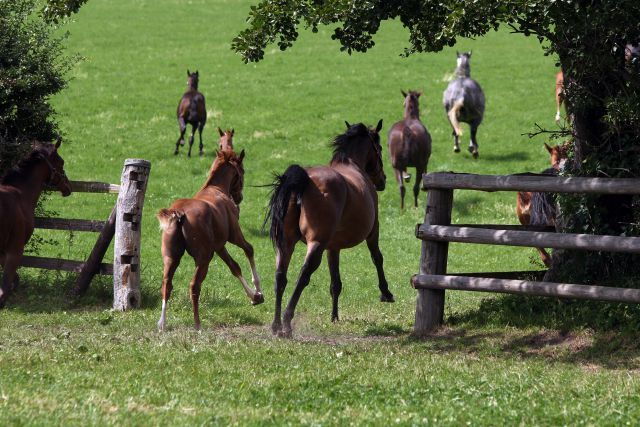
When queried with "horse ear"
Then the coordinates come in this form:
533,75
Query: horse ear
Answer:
58,143
347,123
419,93
457,54
188,73
241,156
197,73
379,127
220,131
549,148
404,94
469,54
233,131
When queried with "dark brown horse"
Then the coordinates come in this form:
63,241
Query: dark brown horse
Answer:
202,226
534,208
191,110
329,208
409,145
226,139
20,190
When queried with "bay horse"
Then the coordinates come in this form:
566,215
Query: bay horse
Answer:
329,208
202,226
20,189
536,208
226,139
191,110
464,102
409,145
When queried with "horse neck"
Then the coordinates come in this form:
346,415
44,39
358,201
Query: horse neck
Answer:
411,113
463,71
33,184
219,179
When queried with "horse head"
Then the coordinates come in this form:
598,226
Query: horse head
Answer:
226,139
374,159
558,154
463,68
411,104
57,175
192,79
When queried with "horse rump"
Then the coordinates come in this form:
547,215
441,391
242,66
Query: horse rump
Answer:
292,182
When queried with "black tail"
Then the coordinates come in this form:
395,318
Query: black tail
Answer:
293,181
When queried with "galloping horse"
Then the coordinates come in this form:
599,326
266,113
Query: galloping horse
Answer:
329,208
20,190
191,110
464,102
409,145
202,226
226,139
535,208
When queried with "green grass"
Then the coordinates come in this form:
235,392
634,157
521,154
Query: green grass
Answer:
499,360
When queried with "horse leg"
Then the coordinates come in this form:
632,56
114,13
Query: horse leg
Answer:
171,263
546,258
416,186
376,257
238,239
202,267
255,297
183,129
333,258
398,174
11,264
191,138
473,142
311,264
200,128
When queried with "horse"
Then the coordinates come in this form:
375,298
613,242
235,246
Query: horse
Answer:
329,208
226,139
536,208
560,95
20,189
202,226
464,102
409,145
191,110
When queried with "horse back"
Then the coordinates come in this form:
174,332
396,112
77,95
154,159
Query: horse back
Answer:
192,107
470,93
409,144
339,208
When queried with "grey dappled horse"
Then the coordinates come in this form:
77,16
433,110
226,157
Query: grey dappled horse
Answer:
464,102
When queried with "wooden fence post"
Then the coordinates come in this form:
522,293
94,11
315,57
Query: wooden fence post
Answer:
433,260
126,263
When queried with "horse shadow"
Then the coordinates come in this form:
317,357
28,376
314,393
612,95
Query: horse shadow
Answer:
517,155
593,334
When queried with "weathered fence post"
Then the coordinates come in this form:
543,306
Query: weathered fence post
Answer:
433,260
126,263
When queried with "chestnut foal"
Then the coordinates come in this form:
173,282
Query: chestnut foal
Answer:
202,226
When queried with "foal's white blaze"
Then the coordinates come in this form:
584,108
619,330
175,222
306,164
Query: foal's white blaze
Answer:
163,315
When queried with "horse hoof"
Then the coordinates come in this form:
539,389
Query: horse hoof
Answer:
175,153
456,149
275,328
475,154
257,299
387,298
406,177
334,319
285,334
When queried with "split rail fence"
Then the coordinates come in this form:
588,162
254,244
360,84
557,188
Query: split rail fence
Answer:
123,223
437,231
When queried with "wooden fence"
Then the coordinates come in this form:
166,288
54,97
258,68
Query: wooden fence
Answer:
123,223
437,232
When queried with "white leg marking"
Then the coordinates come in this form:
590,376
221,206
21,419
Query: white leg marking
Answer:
163,315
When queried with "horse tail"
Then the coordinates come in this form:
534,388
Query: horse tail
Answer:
292,182
170,218
453,116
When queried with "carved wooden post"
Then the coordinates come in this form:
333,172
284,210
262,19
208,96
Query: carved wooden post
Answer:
126,263
433,260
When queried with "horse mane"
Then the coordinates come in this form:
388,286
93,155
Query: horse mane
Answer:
23,168
342,146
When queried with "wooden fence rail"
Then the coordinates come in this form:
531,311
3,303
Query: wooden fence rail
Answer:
437,232
128,213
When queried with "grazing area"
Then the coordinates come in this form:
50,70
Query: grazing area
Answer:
499,359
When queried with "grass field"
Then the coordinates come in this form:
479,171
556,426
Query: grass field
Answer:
499,360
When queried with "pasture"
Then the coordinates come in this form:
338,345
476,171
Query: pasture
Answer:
498,360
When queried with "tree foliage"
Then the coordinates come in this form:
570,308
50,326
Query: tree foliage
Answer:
588,37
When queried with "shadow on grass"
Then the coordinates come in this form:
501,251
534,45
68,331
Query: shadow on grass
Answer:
511,156
594,334
466,205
